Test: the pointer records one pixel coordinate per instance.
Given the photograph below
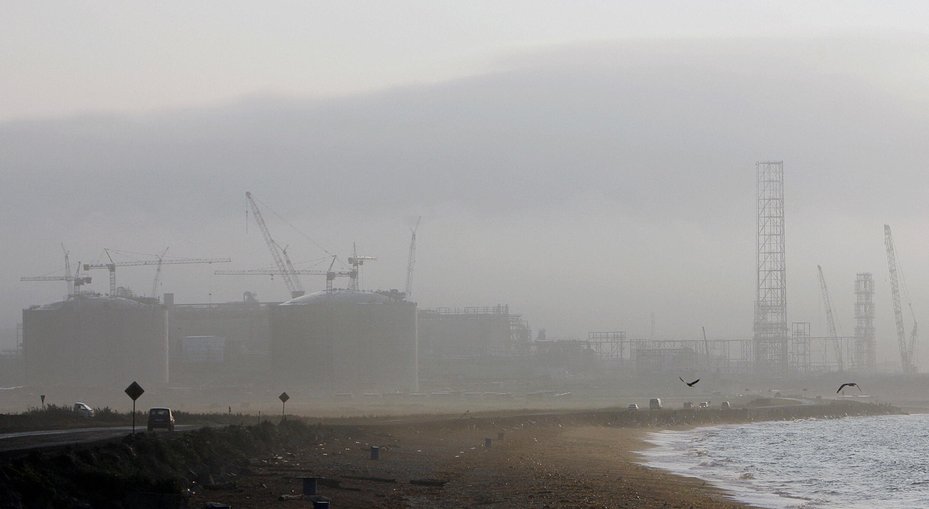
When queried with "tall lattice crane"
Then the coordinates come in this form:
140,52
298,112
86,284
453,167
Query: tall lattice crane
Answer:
357,261
111,267
158,273
906,348
69,281
412,260
830,319
285,269
913,337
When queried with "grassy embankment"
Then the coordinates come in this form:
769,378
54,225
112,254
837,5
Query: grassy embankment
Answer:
62,417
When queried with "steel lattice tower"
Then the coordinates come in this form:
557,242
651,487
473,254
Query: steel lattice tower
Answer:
865,347
771,332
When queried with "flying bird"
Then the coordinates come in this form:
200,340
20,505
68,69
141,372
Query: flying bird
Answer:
848,384
690,384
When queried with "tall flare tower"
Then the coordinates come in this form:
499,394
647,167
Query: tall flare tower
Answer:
771,332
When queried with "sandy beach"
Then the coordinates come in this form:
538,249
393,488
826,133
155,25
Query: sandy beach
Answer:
500,459
533,461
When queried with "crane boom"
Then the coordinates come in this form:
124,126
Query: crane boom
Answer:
69,281
269,272
906,360
330,274
293,272
912,345
158,273
289,279
111,267
45,278
706,344
830,319
164,261
412,260
77,280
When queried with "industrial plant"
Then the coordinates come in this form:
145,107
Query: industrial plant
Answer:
345,342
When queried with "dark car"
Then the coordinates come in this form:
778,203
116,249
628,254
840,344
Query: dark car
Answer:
83,409
160,418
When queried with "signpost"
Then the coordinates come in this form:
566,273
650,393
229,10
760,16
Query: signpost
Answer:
134,391
283,397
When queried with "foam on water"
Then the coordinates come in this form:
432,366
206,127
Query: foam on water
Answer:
860,462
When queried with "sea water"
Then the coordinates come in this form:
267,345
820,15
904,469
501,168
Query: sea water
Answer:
855,462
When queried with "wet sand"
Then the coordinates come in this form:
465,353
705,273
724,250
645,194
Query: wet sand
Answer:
540,462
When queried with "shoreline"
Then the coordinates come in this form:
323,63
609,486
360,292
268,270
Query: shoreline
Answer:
506,459
547,459
728,492
675,463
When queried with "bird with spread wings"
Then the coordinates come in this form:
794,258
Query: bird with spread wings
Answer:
848,384
690,384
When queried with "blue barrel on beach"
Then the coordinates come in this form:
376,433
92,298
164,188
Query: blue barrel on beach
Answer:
375,452
309,485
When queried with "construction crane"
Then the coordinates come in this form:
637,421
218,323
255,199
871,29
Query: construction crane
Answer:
906,350
291,269
356,261
158,273
412,260
69,281
830,320
706,344
74,281
111,267
330,274
285,269
913,336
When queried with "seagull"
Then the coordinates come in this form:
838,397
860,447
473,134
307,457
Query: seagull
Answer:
690,384
848,384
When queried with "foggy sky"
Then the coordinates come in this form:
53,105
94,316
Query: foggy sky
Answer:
70,57
586,185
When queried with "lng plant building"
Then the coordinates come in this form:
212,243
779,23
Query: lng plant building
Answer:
94,341
344,341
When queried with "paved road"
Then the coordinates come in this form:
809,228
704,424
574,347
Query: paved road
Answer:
50,438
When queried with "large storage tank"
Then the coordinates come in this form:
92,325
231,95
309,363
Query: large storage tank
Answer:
93,341
345,341
220,343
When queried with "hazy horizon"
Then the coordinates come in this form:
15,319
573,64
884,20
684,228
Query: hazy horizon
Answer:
586,181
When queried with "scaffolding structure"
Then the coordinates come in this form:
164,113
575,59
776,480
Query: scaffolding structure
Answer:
865,346
806,354
648,355
472,331
831,354
771,332
800,346
608,345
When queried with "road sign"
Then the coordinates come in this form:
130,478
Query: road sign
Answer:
283,397
134,390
